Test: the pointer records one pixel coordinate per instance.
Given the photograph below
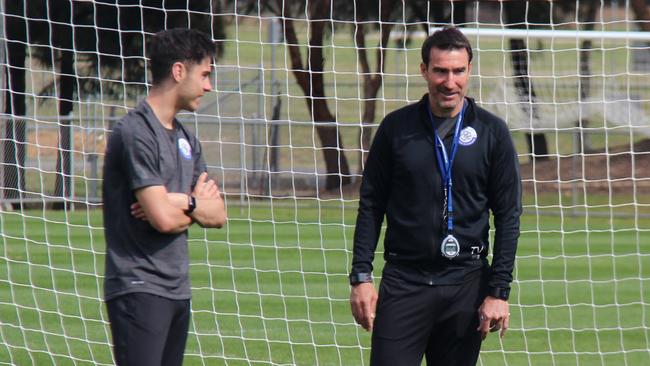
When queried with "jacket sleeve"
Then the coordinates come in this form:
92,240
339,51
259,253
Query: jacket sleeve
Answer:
504,199
373,199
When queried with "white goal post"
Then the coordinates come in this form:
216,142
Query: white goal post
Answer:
271,287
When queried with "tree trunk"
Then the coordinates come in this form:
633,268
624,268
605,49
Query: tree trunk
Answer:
62,187
586,17
63,36
337,168
372,82
516,13
15,129
642,13
537,146
312,84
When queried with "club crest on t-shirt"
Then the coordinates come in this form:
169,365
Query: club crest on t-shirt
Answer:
467,136
184,148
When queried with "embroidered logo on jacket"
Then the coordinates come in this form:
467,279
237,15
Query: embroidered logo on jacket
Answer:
467,136
184,148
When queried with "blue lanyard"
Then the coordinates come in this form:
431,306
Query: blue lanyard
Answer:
445,163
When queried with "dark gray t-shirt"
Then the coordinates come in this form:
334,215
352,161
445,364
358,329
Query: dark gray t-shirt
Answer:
140,153
445,126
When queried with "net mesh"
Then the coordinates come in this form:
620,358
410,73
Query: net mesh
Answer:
299,90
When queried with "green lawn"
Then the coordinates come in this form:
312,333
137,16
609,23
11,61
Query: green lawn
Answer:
271,288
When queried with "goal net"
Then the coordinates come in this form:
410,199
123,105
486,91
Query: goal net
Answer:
299,91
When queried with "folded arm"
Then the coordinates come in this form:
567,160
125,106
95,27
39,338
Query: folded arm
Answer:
168,212
210,209
155,206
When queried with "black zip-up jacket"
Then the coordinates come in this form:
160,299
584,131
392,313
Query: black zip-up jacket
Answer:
401,180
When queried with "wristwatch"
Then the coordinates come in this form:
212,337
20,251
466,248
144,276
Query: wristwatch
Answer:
358,278
499,292
191,204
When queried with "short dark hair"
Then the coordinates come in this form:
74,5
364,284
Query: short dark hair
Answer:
169,46
447,38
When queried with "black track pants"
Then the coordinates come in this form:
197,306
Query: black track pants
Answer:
415,320
148,329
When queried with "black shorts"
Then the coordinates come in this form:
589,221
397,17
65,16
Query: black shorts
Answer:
415,320
148,329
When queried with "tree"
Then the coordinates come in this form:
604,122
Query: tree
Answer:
640,8
109,36
586,16
310,78
15,129
372,79
51,26
518,15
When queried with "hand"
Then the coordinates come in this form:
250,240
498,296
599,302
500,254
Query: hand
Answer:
493,315
363,301
206,189
138,212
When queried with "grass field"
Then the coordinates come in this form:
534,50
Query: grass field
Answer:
271,288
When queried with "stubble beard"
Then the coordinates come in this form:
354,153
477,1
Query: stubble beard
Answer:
446,107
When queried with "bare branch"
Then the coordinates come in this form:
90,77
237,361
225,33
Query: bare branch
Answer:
360,36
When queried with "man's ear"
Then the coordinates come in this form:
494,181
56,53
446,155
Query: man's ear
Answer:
178,71
423,69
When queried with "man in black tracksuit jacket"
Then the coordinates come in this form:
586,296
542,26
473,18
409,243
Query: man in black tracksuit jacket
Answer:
428,303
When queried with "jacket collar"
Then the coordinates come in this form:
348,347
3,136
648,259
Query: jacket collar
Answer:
423,104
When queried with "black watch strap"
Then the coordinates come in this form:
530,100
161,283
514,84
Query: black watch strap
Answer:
357,278
499,292
191,204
